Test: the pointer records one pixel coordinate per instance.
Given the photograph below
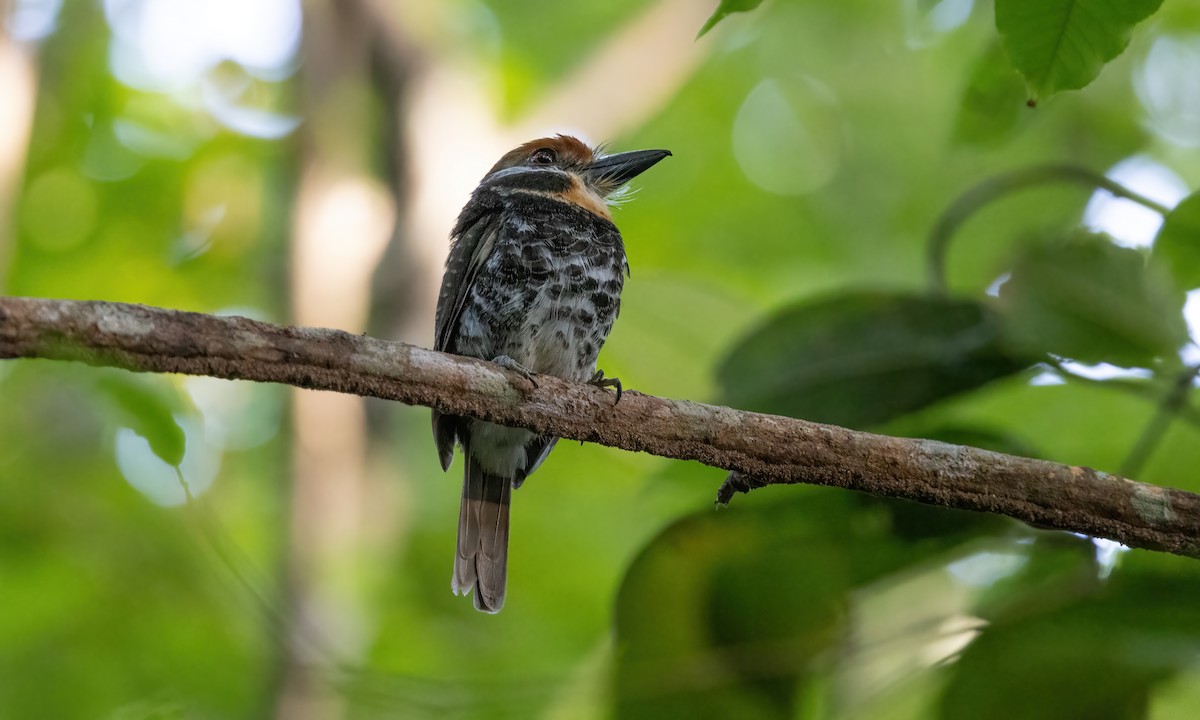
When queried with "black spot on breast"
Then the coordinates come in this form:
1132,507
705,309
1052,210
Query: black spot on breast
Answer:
510,265
561,312
603,301
584,317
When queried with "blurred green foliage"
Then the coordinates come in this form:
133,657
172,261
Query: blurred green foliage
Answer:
858,359
778,263
1113,306
1176,242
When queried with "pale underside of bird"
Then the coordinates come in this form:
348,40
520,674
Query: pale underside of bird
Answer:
533,282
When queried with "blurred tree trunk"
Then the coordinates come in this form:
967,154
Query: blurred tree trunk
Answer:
18,89
359,253
352,78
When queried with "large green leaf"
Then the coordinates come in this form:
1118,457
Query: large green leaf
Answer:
685,633
1178,242
725,8
1092,301
723,614
1063,44
734,613
862,358
1095,652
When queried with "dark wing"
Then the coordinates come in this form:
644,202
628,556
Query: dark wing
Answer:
536,451
468,252
471,245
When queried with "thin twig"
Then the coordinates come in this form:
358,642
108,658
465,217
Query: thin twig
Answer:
1156,429
997,187
1135,387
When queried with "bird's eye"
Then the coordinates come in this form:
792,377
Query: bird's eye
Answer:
543,156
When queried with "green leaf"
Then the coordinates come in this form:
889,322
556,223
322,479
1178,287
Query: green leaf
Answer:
735,613
147,406
993,103
724,614
1095,651
1063,44
1178,242
862,358
1092,301
725,8
1056,568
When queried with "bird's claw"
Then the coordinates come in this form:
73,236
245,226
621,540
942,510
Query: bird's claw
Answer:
606,382
508,363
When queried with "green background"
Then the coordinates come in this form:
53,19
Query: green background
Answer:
779,263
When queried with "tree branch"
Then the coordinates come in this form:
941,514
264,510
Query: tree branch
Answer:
767,448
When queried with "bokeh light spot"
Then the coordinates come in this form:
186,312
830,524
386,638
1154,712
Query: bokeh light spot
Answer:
925,23
169,45
1131,224
59,210
1167,82
787,136
237,416
157,480
984,569
33,19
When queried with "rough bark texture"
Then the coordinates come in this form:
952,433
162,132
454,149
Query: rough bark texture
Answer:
767,448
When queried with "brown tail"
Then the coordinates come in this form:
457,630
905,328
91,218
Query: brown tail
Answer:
481,563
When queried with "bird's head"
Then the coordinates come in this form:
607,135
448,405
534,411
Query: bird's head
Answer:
566,167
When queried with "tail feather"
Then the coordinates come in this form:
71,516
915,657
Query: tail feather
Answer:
481,561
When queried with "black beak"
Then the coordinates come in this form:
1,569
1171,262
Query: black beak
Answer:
612,171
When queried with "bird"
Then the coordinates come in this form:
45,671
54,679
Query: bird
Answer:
532,283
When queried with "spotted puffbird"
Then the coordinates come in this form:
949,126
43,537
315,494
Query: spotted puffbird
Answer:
533,283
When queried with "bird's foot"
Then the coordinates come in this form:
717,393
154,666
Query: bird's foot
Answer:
508,363
606,382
